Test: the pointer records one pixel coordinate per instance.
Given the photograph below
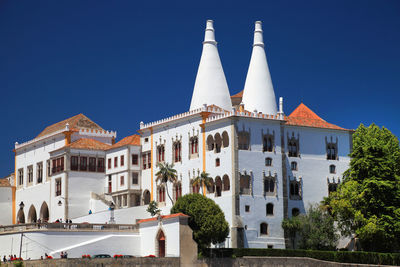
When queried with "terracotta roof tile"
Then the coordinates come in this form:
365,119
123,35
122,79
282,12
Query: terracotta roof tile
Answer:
303,116
90,144
163,217
4,183
129,140
79,121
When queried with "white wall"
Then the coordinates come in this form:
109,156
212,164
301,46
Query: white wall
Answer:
5,205
36,244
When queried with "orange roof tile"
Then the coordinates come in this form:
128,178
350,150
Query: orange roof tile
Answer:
90,144
4,182
163,217
79,121
129,140
303,116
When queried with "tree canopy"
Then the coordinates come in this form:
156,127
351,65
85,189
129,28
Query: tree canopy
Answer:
206,219
313,230
367,203
204,179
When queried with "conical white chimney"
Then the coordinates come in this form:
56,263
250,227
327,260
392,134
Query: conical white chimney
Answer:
210,86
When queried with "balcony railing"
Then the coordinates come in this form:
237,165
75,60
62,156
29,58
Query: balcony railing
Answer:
68,227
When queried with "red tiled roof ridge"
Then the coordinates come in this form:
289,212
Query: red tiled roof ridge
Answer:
73,122
128,140
88,143
304,116
163,217
4,182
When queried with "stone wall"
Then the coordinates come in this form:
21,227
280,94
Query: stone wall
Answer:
175,262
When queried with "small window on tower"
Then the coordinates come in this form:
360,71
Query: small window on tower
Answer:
247,208
217,162
268,162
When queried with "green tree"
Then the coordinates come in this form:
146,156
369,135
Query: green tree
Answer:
204,180
165,174
153,208
206,219
367,203
313,230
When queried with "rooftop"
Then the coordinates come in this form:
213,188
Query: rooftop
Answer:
163,217
133,140
304,116
89,144
79,121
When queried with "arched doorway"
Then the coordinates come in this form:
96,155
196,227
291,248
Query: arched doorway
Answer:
21,216
44,212
32,215
161,244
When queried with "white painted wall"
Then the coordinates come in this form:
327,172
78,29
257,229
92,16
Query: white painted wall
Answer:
5,205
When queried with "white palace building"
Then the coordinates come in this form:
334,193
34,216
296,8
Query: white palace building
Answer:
265,165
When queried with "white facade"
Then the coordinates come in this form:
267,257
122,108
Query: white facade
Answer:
265,166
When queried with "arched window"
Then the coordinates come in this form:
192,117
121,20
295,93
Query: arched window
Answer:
161,193
263,229
210,187
177,150
295,212
332,187
218,186
268,162
226,183
218,142
270,209
332,169
268,143
193,146
225,139
293,166
160,153
146,197
245,184
295,190
243,140
269,185
210,143
177,190
195,188
292,147
331,151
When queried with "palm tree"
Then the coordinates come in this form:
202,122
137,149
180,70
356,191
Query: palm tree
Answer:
166,173
204,180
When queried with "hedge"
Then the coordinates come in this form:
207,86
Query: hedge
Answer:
336,256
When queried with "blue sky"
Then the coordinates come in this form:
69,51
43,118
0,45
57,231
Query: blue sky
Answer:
122,62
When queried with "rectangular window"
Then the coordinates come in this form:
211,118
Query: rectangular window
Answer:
74,163
20,176
135,178
100,165
109,163
58,187
135,159
122,160
144,159
48,165
58,165
30,174
83,163
247,208
39,172
92,164
115,162
149,160
122,180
